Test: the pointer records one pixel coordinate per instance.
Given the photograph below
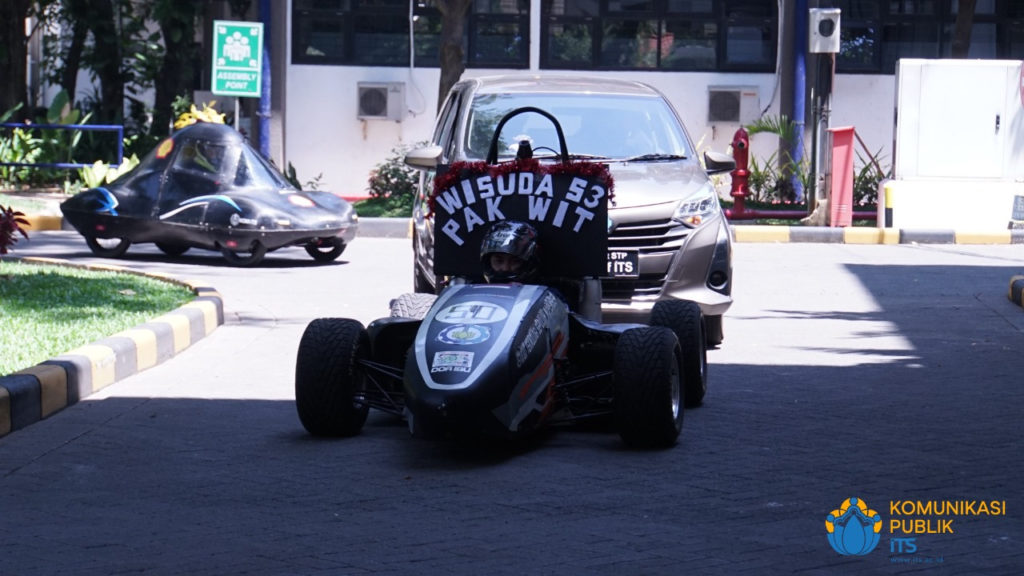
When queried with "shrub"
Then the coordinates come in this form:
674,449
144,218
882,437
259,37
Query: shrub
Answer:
11,222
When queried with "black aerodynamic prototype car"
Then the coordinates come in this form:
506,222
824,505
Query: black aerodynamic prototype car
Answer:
206,187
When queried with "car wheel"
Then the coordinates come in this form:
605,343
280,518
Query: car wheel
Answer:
420,283
716,334
172,249
325,250
412,305
685,319
329,380
251,258
648,387
108,247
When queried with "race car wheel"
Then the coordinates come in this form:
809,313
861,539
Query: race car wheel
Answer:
108,247
172,249
648,387
685,319
412,305
325,249
329,381
251,258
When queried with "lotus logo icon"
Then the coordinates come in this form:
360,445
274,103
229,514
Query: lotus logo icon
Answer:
853,529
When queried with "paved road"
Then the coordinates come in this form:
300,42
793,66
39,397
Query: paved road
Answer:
889,373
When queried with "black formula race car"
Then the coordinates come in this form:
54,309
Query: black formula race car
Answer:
505,360
205,187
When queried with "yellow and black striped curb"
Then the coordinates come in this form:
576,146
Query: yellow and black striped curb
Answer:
30,395
1016,293
402,228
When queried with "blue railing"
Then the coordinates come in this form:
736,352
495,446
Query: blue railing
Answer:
83,127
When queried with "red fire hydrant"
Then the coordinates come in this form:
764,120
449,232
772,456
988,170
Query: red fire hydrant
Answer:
741,154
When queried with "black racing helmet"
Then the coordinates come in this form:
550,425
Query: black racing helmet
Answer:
514,238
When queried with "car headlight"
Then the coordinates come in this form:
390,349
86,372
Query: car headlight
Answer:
693,211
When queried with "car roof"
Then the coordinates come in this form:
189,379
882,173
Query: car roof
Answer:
522,83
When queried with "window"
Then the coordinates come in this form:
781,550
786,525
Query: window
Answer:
376,33
877,33
701,35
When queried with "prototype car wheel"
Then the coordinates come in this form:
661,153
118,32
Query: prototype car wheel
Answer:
329,381
172,249
648,387
685,319
325,249
251,258
108,247
412,305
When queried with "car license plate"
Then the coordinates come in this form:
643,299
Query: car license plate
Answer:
623,264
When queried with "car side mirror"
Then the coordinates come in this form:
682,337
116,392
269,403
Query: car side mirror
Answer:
425,158
718,162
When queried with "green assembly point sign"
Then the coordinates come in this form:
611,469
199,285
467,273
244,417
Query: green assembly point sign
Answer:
237,58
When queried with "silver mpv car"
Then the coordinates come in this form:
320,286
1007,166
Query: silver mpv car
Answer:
667,235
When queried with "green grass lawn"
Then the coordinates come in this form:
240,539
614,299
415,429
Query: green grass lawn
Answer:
47,310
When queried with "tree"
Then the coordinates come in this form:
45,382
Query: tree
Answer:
177,20
451,56
962,29
14,52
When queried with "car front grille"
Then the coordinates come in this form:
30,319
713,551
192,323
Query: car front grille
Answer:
650,238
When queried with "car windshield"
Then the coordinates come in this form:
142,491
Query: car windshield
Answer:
595,125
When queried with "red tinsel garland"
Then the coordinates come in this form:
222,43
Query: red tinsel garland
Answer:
465,170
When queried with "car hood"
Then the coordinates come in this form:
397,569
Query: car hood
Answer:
639,184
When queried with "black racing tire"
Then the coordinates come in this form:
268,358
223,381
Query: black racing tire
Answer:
108,247
685,319
245,259
716,334
325,250
648,407
172,249
330,383
412,305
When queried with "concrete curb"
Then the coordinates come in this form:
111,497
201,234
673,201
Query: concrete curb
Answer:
35,393
402,228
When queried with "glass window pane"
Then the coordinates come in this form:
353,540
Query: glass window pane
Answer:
570,44
381,40
427,28
690,45
689,7
497,42
986,7
629,44
859,9
1016,40
749,45
919,7
857,48
589,8
329,5
749,9
908,41
501,7
321,38
983,40
620,6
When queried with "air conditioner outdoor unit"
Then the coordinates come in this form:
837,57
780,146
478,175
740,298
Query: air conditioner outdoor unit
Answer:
733,104
381,100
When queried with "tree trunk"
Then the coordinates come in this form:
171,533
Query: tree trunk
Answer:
13,54
451,55
177,26
962,30
107,61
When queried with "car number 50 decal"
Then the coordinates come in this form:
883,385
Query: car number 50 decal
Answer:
471,312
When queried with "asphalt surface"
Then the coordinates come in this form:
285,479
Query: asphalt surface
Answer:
888,373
